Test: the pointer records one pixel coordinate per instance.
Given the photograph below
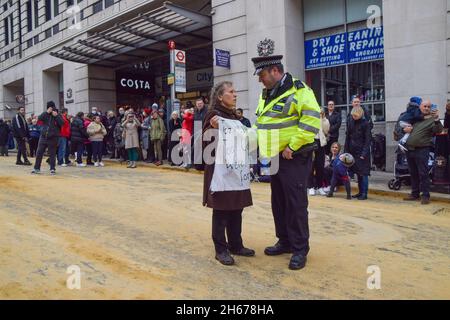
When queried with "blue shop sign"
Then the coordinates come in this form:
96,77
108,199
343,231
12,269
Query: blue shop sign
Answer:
351,47
326,51
365,45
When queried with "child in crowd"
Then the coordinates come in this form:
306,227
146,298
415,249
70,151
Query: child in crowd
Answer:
408,118
335,150
340,173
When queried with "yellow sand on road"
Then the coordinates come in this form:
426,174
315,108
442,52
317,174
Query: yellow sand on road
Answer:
143,234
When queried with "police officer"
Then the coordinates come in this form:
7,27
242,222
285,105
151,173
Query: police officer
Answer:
288,119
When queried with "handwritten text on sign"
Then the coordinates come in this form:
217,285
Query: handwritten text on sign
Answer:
232,163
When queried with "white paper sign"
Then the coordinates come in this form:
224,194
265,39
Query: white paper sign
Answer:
232,164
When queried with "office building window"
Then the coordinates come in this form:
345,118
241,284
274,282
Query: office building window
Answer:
5,7
55,29
29,16
6,55
48,10
29,43
36,13
55,7
69,3
108,3
6,28
48,33
97,7
36,39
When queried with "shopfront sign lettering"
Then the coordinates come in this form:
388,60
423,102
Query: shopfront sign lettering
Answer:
350,47
135,84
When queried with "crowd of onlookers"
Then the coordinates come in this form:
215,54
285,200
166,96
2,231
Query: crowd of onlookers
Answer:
129,134
146,134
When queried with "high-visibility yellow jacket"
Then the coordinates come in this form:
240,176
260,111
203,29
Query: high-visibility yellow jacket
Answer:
291,119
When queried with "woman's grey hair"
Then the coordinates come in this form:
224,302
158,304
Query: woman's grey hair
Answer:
217,91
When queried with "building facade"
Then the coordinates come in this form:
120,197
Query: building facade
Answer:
98,53
411,55
383,51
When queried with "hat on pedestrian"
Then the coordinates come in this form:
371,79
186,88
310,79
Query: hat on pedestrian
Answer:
262,63
51,104
154,106
161,110
347,159
416,100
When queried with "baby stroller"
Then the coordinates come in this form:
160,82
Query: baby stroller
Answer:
402,175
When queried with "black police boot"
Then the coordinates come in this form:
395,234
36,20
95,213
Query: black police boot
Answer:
245,252
277,249
225,258
297,262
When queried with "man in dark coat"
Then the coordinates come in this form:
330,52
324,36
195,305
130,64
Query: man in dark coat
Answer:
4,133
52,123
21,134
335,119
199,117
78,136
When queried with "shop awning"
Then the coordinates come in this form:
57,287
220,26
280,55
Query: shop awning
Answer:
138,38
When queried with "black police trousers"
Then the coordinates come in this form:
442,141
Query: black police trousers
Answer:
290,202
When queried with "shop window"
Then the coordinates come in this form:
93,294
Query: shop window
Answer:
357,9
365,80
321,14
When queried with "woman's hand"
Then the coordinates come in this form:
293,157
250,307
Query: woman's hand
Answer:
214,122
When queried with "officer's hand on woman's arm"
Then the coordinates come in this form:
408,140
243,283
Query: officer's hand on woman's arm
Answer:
287,153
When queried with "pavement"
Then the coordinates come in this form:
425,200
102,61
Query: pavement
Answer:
378,182
143,234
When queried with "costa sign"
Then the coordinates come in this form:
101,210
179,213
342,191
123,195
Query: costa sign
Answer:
135,84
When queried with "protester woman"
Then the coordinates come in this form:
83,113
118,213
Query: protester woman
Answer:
227,205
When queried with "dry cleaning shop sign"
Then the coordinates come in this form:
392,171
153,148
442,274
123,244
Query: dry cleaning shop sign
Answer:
133,84
350,47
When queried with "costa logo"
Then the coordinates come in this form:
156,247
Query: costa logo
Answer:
135,84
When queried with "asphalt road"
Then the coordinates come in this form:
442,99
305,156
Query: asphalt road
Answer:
143,234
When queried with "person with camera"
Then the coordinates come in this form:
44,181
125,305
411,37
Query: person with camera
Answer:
131,137
52,123
419,144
